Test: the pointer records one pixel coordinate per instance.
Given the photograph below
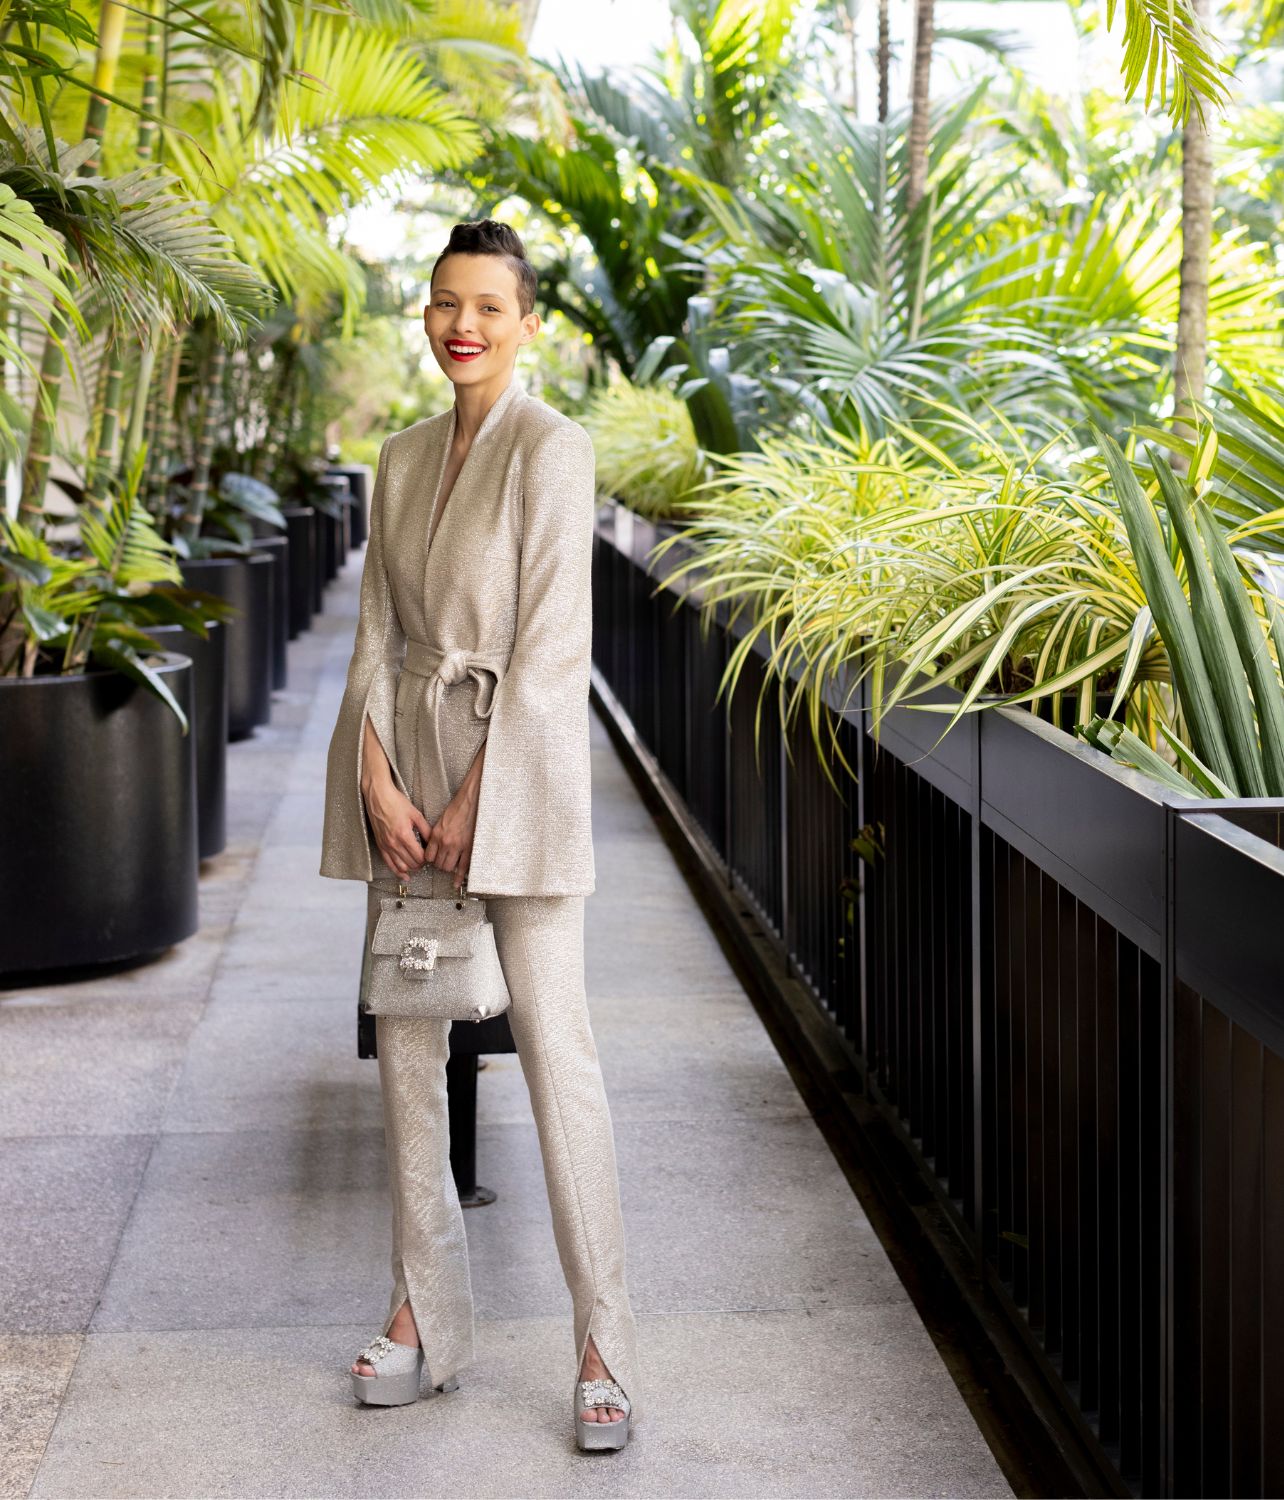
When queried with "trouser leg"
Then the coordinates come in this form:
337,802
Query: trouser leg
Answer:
540,940
429,1247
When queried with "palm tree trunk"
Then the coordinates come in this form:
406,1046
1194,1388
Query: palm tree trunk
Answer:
920,100
164,421
140,429
1191,354
111,34
108,421
276,440
137,431
44,417
847,11
150,96
35,466
200,486
884,61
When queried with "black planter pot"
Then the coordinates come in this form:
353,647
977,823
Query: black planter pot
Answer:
320,525
352,525
330,547
246,582
335,533
303,563
343,529
99,859
278,548
209,725
359,484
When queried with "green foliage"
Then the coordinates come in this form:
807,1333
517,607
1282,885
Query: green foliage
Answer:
621,179
942,584
1218,631
1239,450
227,524
633,288
71,612
863,314
33,252
646,447
1165,44
360,112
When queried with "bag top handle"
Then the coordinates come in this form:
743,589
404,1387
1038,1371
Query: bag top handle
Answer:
404,890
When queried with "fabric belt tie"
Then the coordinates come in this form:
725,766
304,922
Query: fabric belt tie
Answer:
445,668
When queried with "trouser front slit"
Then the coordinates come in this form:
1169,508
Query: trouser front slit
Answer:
540,942
429,1246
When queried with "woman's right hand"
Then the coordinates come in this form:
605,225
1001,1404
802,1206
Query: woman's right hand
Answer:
394,818
395,822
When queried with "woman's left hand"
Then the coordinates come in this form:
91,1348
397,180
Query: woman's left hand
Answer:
450,844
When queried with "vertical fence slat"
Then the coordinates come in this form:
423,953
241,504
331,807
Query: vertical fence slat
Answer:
1088,1157
1272,1321
1246,1263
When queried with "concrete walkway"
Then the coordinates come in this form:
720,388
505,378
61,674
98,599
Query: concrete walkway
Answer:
195,1240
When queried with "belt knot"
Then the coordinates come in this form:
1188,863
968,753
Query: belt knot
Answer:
453,666
441,669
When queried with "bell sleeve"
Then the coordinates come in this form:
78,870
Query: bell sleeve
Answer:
347,839
533,834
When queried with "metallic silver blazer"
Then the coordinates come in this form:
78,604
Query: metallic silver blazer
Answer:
486,635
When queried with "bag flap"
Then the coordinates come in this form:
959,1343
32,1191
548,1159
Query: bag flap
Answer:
403,918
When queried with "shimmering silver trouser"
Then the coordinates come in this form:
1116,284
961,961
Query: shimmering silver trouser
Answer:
540,940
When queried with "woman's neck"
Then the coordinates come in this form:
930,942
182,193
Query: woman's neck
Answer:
472,402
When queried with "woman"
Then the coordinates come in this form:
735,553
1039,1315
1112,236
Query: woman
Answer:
462,751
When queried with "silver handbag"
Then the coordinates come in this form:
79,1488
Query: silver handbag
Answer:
435,956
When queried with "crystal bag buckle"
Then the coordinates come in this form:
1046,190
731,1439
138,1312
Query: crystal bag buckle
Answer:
418,955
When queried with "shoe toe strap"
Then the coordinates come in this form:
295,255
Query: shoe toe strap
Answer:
603,1393
377,1349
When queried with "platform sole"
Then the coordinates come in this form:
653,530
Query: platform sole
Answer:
595,1437
395,1390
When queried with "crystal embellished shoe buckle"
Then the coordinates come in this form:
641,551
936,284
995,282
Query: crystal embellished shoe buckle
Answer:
375,1350
418,955
602,1393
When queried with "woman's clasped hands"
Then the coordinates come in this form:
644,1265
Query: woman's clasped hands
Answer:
405,837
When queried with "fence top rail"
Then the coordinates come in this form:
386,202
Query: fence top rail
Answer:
1229,893
1233,828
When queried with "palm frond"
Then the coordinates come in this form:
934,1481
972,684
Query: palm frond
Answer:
365,115
123,540
143,245
1166,45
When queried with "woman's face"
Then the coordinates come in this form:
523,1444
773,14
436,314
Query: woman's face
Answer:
473,320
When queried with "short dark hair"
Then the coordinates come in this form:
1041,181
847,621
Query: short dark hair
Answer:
490,237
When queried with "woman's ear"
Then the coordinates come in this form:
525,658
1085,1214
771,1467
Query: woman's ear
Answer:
531,325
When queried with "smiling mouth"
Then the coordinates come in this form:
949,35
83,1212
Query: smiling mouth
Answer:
462,351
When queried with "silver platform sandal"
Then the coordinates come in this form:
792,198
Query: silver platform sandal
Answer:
397,1368
594,1435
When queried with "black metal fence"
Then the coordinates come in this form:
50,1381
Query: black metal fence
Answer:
1065,989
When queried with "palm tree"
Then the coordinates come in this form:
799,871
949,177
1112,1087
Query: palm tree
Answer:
920,90
153,256
868,314
1166,41
1191,353
698,115
884,61
358,105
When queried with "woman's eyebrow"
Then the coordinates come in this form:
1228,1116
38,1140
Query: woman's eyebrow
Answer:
497,296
